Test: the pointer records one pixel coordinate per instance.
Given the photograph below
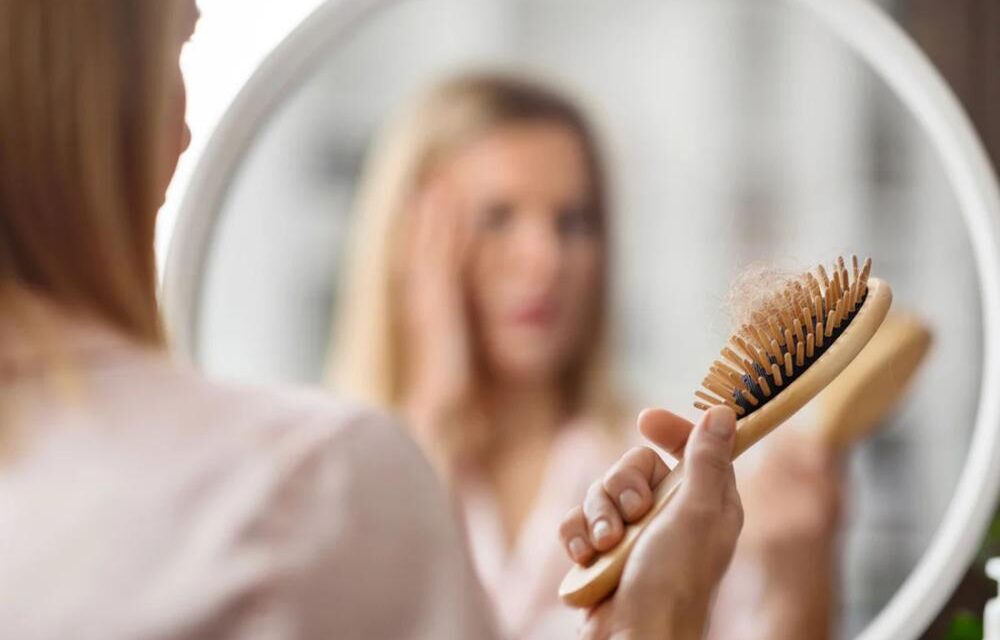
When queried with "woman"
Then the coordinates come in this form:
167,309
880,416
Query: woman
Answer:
477,306
139,500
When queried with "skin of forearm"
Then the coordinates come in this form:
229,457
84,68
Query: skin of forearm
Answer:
796,609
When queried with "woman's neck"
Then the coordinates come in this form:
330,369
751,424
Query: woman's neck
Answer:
523,422
520,413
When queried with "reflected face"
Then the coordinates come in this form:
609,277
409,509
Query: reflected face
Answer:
537,251
177,134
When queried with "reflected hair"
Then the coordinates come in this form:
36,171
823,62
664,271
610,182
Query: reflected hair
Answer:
82,92
367,359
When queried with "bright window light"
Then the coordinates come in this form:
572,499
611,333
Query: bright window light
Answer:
233,37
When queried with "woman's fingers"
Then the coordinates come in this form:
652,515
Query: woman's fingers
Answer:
624,495
604,523
438,227
575,536
448,228
626,492
708,457
631,480
423,222
666,430
461,229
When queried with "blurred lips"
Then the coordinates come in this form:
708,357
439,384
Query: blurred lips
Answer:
537,314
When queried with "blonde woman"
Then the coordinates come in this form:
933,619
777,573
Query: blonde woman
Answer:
477,306
139,500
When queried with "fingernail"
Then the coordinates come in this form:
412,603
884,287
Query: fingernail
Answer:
602,529
578,547
720,423
630,501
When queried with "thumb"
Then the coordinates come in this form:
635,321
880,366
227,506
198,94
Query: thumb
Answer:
709,455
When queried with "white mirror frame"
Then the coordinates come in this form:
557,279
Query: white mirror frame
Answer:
877,40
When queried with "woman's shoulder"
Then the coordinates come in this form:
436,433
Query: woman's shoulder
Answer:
382,552
337,493
286,441
186,397
250,434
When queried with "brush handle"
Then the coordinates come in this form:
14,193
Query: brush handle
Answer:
586,586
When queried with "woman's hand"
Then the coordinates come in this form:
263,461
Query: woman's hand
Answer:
439,359
793,497
668,581
793,501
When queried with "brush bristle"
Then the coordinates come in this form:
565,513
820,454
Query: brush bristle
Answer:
789,332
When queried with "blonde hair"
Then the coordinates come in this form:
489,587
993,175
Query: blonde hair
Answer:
367,360
82,96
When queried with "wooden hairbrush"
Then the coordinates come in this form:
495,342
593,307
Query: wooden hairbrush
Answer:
798,341
854,405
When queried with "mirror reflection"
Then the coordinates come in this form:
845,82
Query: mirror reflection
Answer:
526,228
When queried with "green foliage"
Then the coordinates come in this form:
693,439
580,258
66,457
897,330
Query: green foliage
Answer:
991,544
965,626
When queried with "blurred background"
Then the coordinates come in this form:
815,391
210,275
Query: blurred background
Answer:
735,132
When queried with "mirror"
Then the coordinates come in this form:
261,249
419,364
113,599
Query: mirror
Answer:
734,132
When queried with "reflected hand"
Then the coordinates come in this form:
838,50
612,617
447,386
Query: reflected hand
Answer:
440,365
676,564
793,497
793,504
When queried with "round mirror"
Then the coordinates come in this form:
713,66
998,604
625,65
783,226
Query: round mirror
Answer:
732,132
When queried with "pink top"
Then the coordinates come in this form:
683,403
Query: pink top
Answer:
139,500
524,580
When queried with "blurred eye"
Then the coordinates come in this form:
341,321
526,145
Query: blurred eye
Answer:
495,216
576,221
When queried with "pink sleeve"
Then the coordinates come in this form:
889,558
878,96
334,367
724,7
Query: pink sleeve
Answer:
384,557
